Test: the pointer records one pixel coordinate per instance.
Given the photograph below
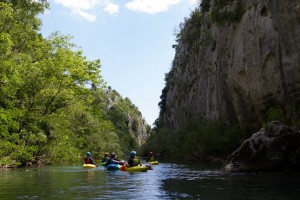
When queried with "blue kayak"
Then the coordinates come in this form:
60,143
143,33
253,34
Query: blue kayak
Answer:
113,167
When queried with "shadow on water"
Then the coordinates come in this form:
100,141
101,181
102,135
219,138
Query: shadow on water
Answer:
201,183
165,181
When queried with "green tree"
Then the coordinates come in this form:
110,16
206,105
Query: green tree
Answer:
54,104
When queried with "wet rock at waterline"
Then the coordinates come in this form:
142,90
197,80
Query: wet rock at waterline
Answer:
273,148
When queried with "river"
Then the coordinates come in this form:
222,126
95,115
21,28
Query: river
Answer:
165,181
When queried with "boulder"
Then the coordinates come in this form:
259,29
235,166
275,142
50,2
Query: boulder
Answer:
273,148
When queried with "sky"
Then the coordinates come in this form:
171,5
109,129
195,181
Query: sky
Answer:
132,38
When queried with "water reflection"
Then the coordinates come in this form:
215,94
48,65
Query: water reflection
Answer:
165,181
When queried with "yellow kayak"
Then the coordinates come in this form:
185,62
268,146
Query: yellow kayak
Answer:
140,168
154,162
89,166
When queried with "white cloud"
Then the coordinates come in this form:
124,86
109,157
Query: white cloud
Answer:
87,9
151,6
78,4
86,16
111,8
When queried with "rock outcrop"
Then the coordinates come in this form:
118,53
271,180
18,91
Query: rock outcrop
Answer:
127,118
239,70
273,148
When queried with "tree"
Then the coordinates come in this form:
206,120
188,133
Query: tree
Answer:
53,104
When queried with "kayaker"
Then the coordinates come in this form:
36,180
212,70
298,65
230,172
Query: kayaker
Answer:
113,160
89,159
151,157
105,158
133,160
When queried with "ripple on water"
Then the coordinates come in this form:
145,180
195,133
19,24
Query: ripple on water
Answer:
165,181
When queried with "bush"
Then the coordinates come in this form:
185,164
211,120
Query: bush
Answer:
197,139
226,11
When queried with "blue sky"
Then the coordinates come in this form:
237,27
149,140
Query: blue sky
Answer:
132,38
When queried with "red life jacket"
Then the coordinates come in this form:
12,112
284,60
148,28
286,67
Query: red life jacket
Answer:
87,160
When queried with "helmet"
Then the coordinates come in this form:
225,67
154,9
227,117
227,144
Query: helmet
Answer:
106,154
88,153
132,153
113,155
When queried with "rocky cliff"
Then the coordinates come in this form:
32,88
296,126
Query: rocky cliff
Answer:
132,128
235,61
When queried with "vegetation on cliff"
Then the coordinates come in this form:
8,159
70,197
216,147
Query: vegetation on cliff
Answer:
54,103
196,139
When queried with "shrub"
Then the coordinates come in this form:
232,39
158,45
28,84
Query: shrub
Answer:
226,11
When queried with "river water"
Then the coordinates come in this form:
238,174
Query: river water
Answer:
165,181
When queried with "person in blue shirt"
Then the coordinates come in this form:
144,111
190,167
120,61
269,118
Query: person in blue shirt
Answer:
113,160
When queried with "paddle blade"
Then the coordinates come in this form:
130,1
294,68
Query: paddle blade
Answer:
149,167
123,168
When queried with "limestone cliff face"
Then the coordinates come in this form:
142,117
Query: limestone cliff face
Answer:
239,70
128,120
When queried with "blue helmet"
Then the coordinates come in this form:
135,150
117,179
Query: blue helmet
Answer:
88,153
132,153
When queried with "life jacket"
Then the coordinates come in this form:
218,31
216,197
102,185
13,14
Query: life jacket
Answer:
110,161
135,161
152,158
105,159
87,160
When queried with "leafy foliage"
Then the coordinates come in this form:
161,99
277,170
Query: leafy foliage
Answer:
226,11
190,28
197,139
205,5
54,102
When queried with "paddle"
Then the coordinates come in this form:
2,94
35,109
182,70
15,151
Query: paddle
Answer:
114,162
149,167
123,168
121,162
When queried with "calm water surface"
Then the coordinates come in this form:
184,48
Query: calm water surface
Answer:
165,181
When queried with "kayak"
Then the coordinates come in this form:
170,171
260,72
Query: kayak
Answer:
140,168
113,167
89,166
154,162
